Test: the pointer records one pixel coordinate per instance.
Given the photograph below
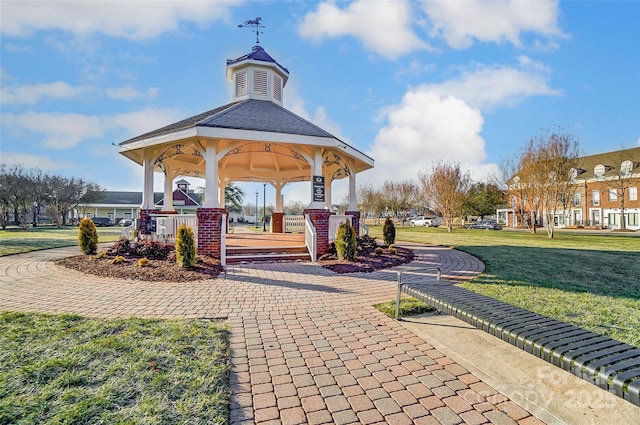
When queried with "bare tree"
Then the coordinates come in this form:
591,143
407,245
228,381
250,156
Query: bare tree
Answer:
20,189
540,180
400,197
446,188
370,200
64,194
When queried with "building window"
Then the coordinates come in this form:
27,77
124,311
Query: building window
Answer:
595,198
241,84
633,193
614,219
625,168
260,82
576,199
613,194
632,219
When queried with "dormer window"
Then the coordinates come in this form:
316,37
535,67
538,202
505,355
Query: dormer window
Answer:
625,168
599,171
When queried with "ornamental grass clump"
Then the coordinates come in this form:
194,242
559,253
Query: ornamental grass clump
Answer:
185,247
389,232
87,237
346,242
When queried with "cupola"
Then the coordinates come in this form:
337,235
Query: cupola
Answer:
257,76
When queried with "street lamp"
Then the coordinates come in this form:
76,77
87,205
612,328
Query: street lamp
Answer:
35,212
256,209
264,207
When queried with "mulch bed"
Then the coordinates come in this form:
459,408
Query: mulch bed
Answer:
366,261
210,268
157,271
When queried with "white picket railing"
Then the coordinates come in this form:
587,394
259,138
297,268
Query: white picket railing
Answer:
364,229
334,222
167,225
311,238
293,224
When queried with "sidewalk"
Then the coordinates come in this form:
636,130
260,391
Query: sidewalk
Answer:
306,344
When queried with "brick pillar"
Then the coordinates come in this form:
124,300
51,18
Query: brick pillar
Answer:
277,222
355,221
210,231
143,216
320,220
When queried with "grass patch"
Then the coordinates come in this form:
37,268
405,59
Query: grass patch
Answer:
15,240
408,307
70,370
591,281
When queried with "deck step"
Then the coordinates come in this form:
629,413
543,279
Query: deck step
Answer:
605,362
236,255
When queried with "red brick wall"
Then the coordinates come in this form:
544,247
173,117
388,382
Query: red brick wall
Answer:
355,221
142,217
210,231
320,219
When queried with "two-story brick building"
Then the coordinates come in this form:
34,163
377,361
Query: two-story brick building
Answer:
604,185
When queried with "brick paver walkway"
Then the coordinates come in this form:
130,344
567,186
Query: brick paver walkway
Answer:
306,344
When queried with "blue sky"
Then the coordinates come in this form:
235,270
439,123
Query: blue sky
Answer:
406,82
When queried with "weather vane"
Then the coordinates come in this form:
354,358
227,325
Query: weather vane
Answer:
255,24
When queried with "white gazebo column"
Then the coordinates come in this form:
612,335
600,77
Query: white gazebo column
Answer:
327,192
211,194
353,204
277,217
167,203
148,206
222,201
316,170
211,213
147,188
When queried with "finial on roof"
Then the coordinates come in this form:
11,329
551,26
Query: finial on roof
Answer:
255,24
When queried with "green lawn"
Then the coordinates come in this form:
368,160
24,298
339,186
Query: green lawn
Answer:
71,370
592,281
15,240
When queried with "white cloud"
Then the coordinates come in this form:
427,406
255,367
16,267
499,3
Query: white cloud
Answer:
296,104
32,94
67,130
383,27
427,127
34,161
131,93
488,87
462,22
131,20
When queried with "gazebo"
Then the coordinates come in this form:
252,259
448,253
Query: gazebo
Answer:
252,139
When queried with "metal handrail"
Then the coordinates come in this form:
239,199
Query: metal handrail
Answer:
364,229
397,316
310,238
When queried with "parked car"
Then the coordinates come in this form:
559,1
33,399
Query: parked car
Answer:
425,221
485,224
102,221
125,222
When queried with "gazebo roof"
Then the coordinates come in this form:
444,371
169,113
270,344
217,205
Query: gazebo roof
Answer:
250,114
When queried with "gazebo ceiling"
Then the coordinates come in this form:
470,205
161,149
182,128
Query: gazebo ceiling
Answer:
256,141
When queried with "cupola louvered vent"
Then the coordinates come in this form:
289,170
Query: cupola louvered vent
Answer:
260,82
241,84
277,88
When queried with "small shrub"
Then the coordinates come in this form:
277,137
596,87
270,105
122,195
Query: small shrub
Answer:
185,247
101,254
392,250
118,260
121,247
378,251
143,262
87,237
367,242
150,249
346,244
389,232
